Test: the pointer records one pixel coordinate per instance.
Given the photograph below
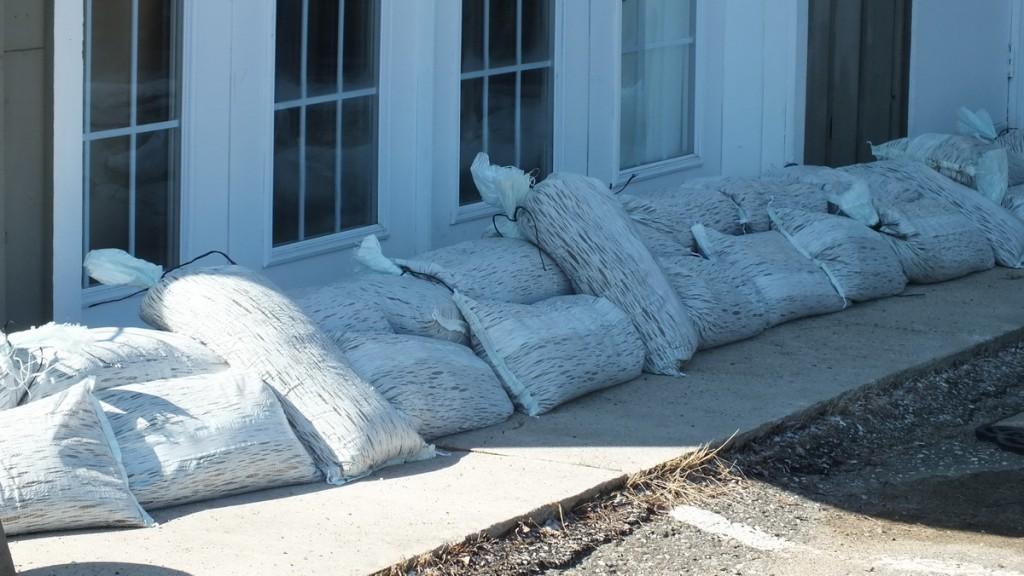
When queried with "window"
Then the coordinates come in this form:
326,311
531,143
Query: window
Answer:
131,132
325,118
506,86
657,116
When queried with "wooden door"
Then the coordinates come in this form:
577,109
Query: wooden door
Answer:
858,65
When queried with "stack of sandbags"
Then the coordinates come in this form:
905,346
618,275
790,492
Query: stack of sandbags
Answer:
584,229
343,421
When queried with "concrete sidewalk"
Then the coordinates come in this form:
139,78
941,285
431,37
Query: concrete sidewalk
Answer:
497,475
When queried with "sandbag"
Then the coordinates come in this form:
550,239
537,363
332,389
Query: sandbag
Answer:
1014,201
553,351
791,286
60,356
674,211
202,437
585,230
858,260
348,427
722,304
753,196
61,468
902,181
409,305
443,387
970,161
501,269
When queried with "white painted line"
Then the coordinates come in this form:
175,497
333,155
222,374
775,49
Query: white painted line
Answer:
712,523
942,568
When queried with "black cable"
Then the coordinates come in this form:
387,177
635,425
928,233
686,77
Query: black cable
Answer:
164,275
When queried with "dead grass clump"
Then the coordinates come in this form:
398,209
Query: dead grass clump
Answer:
698,476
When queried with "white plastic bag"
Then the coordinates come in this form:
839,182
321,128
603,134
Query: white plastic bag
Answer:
504,187
118,268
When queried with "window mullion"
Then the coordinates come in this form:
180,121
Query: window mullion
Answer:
303,77
485,119
338,139
517,106
87,116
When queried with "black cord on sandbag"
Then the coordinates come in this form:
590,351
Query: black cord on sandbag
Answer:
624,186
406,271
515,218
164,275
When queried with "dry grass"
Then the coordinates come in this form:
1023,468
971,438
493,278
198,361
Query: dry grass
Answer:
697,476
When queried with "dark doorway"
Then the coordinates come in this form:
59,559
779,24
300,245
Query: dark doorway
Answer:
858,67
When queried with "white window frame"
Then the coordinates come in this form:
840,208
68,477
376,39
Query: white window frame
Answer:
448,101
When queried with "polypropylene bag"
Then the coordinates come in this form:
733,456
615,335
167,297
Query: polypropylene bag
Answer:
903,181
202,437
348,427
502,269
753,196
62,468
59,356
858,260
409,305
674,211
970,161
933,240
441,386
554,351
791,285
1014,201
582,226
504,187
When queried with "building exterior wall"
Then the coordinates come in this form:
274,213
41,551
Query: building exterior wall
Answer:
26,205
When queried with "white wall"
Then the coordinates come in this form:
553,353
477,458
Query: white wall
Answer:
959,56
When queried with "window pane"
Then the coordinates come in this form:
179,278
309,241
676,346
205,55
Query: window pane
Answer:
657,82
289,50
322,51
286,176
361,41
321,160
472,35
359,162
501,120
156,206
108,193
502,33
537,19
472,131
537,123
157,23
110,60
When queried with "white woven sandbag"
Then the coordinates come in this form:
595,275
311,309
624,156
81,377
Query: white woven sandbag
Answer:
902,181
858,260
348,427
202,437
675,210
791,285
754,195
585,230
502,269
60,468
970,161
443,387
554,351
114,356
1014,201
410,306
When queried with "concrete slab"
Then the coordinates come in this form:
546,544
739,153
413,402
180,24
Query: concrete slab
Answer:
513,469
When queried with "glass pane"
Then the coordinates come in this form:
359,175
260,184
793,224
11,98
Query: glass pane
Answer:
657,85
108,193
286,176
157,68
472,35
501,120
289,50
111,64
630,23
537,120
359,162
156,195
322,52
537,18
361,41
502,39
321,160
472,132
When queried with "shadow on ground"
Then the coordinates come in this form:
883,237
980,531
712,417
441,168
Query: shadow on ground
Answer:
103,569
